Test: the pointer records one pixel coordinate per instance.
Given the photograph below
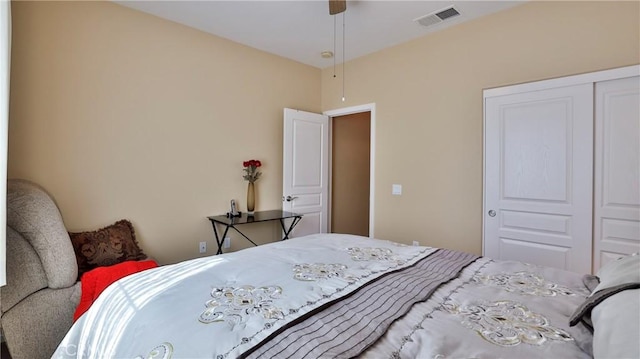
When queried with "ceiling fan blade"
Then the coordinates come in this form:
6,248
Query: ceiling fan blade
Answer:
337,6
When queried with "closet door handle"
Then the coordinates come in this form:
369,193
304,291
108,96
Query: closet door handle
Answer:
492,213
289,198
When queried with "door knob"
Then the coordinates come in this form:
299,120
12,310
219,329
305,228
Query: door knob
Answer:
289,198
492,213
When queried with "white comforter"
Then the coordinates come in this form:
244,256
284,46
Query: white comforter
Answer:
222,306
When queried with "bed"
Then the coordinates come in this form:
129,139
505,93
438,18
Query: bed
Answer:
333,295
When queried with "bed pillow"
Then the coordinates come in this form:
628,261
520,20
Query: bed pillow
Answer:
107,246
621,271
616,326
590,282
613,310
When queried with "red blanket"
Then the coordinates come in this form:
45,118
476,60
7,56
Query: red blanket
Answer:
96,280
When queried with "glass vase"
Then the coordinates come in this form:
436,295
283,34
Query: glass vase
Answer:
251,198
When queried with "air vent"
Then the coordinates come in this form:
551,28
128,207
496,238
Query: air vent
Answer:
437,17
445,14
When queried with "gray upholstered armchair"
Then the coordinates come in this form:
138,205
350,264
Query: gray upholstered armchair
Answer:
42,291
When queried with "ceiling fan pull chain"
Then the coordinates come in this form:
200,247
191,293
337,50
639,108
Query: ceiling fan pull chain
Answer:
334,46
344,36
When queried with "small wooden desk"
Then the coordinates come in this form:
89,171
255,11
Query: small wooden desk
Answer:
261,216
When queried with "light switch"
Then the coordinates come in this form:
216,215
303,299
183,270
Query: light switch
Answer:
396,189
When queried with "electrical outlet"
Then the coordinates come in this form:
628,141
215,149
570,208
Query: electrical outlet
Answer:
416,243
203,247
226,243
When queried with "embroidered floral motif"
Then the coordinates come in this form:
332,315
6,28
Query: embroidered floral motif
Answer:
162,351
397,244
391,265
447,297
524,283
507,323
319,271
235,305
373,254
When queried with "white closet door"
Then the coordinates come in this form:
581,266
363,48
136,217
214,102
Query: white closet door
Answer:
538,177
617,170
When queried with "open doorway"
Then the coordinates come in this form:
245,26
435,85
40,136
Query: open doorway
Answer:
350,177
346,202
307,171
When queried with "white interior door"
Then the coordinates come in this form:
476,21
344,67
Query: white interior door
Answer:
617,170
538,177
305,185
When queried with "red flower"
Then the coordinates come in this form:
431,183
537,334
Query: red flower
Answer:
252,163
251,170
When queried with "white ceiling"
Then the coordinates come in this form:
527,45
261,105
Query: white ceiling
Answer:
301,30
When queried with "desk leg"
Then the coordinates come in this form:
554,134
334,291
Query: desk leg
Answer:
247,238
219,241
286,231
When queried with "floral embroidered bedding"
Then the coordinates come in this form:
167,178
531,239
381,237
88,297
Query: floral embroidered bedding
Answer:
331,295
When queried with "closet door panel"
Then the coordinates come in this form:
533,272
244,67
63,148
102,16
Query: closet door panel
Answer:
538,177
617,170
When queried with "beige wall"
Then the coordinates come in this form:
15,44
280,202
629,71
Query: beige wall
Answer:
428,96
123,115
350,173
120,114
